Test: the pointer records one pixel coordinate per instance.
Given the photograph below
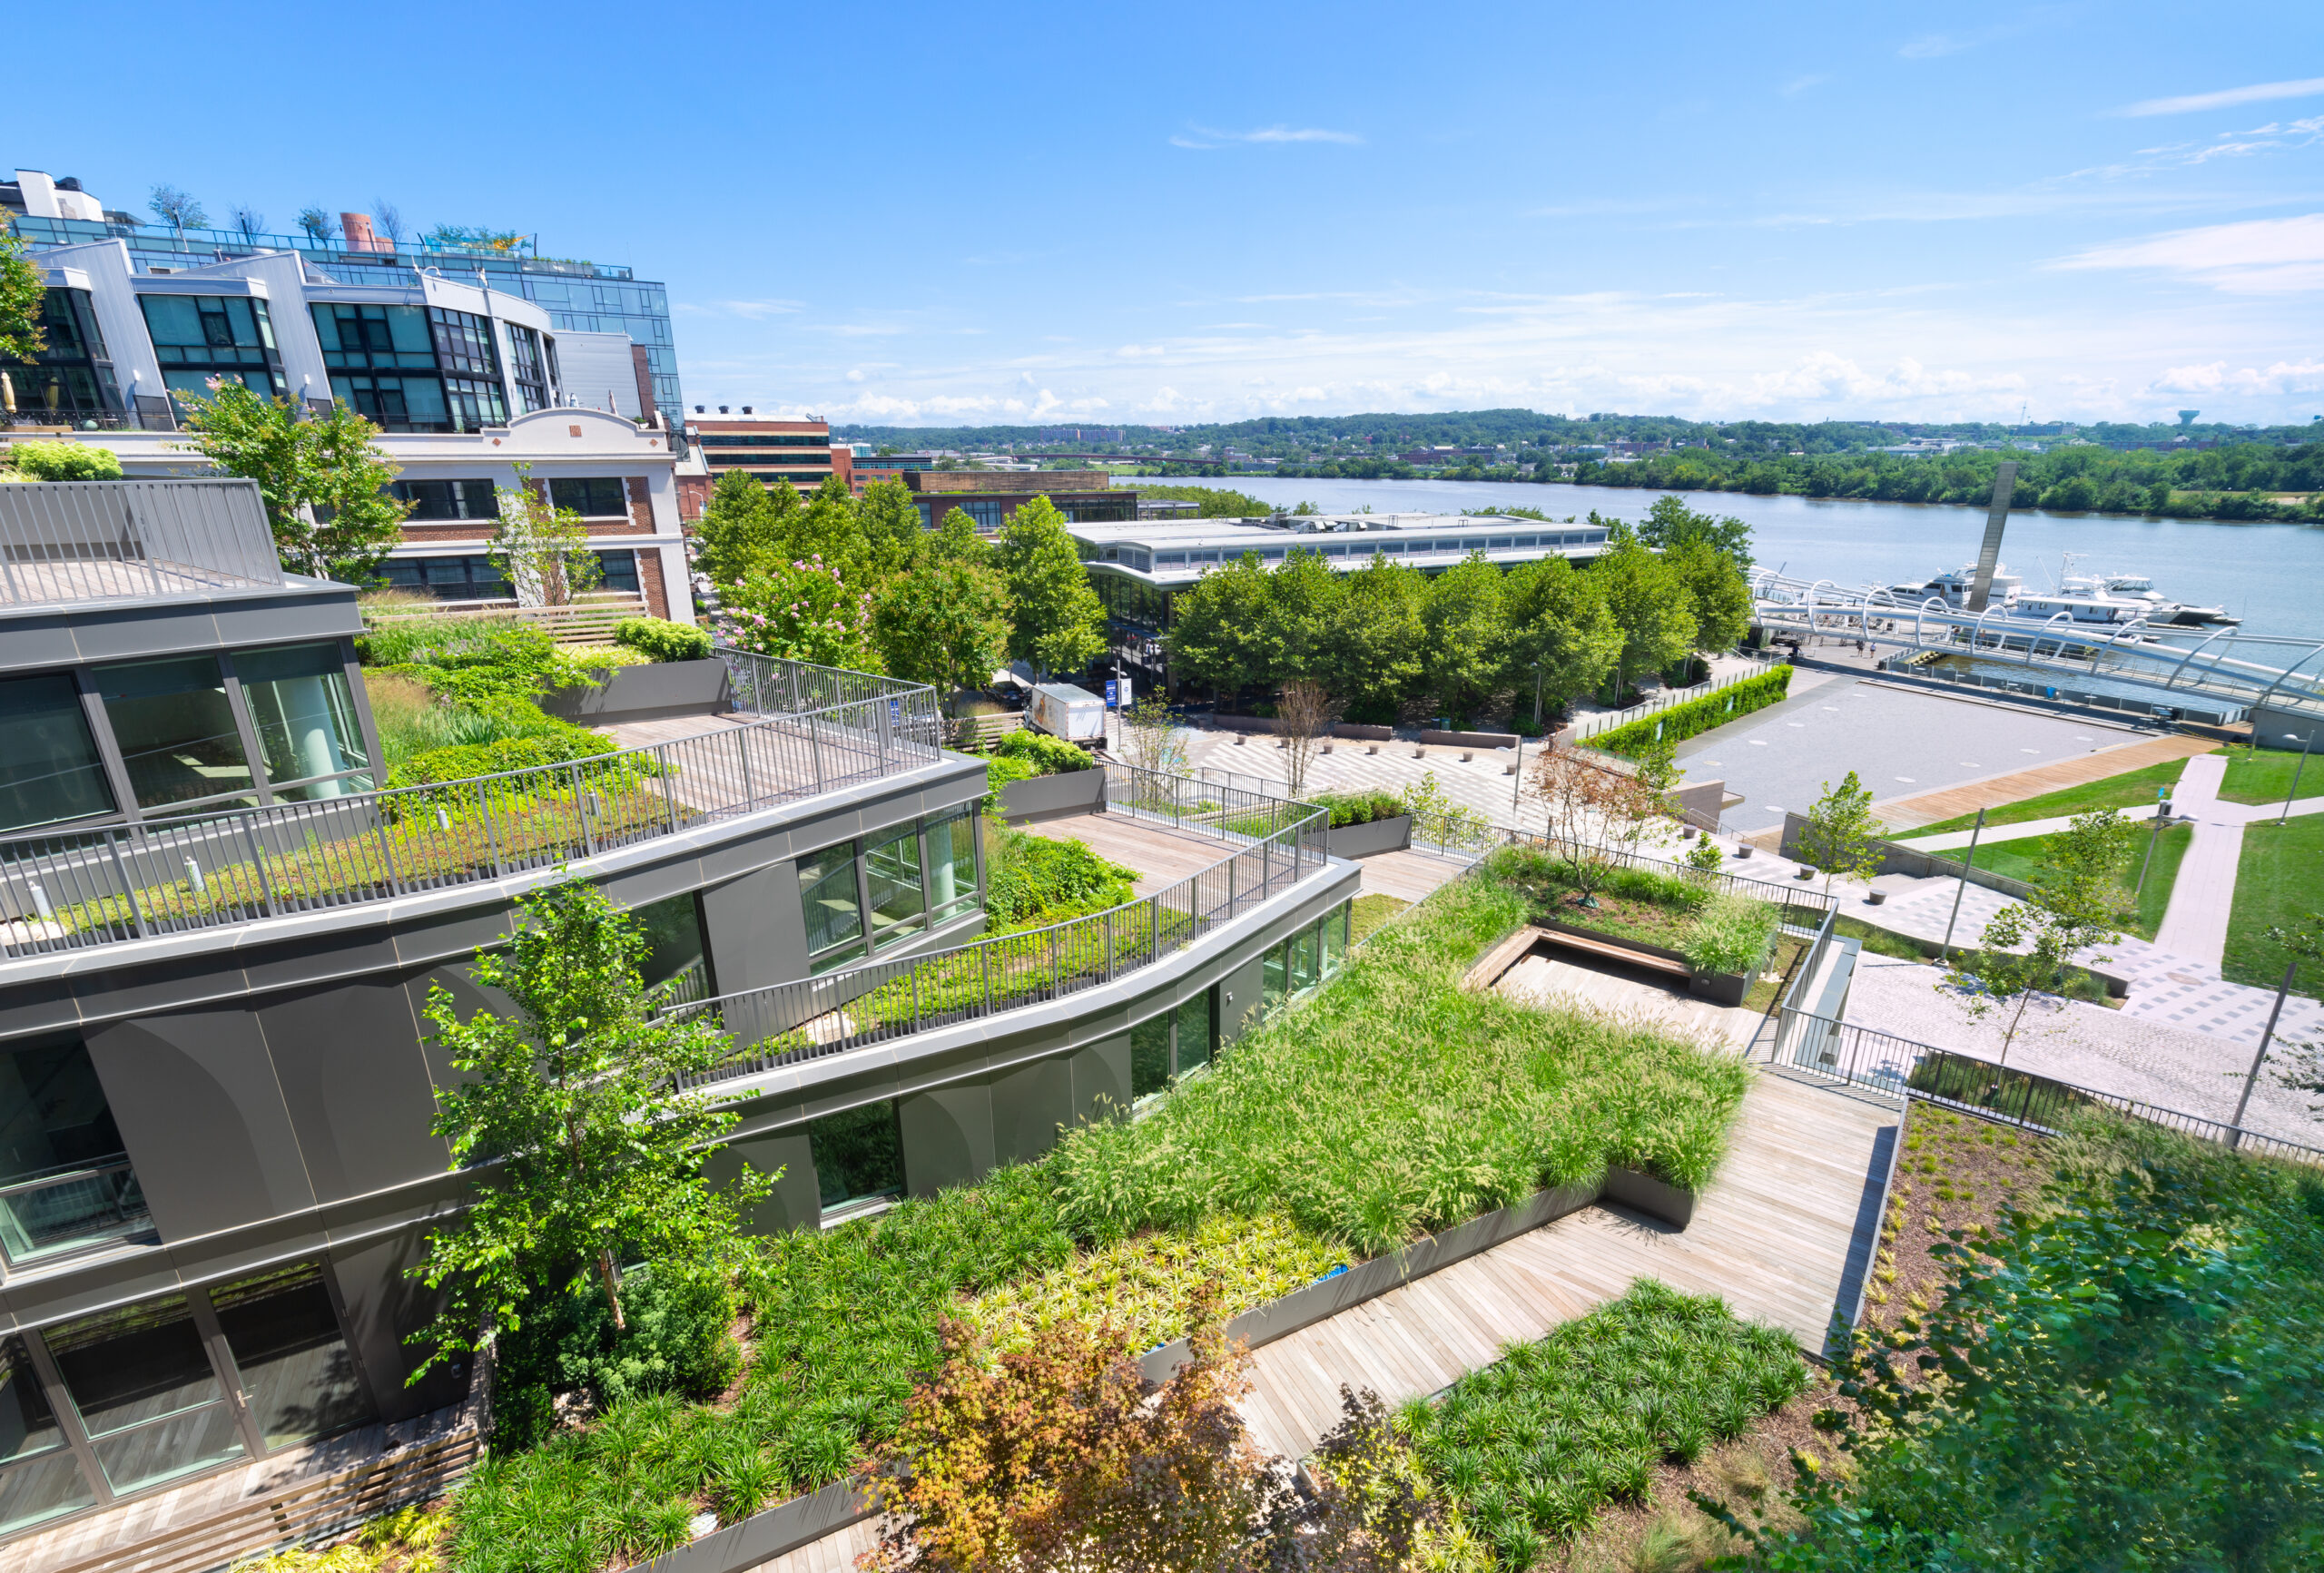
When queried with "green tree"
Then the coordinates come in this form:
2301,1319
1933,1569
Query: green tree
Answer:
1060,624
1305,599
569,1117
742,527
323,481
957,540
2075,905
1841,834
1468,635
801,611
1721,601
1220,631
542,550
1670,523
826,527
894,540
944,624
1563,641
176,209
1376,649
1652,607
23,293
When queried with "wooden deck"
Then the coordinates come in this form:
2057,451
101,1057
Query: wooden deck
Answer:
1161,855
1784,1234
1931,808
1575,978
1407,876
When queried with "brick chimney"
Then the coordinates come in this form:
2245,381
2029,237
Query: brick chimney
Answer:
357,227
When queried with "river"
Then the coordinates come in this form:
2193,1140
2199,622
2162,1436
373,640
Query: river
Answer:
2270,575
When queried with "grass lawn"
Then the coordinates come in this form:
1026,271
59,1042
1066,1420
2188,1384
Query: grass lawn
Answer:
2278,882
2022,860
2267,776
2130,789
1370,912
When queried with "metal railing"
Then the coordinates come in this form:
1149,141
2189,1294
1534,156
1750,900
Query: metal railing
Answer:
770,685
1898,1067
1608,720
1277,842
70,890
64,542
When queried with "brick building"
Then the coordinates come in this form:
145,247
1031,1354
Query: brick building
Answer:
990,496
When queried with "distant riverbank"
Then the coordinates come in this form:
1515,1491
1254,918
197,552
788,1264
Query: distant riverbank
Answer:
2265,572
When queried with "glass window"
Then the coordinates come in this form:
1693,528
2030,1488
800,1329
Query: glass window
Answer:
472,499
305,718
1197,1032
296,1373
858,1155
1335,932
473,578
834,912
175,730
49,768
1273,969
463,343
674,945
384,337
1149,1056
1306,959
898,906
38,1478
595,496
57,1143
952,866
618,571
146,1391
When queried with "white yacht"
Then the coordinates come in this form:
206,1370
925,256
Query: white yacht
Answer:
2139,588
1953,588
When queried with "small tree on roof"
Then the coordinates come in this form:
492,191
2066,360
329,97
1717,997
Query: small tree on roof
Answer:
1841,835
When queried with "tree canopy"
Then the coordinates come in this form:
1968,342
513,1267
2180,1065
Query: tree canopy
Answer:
322,480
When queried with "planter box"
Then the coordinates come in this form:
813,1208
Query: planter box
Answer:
1718,987
666,688
1269,723
802,1520
1052,797
1388,835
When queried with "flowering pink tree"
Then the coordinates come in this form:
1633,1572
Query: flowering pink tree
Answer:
802,610
805,612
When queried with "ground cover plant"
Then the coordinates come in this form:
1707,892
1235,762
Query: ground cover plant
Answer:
1358,807
2130,791
2279,881
1031,881
1532,1447
1694,717
2123,1372
1718,931
1370,912
1395,1103
659,639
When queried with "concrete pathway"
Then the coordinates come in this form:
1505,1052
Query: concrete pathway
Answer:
2016,786
2195,924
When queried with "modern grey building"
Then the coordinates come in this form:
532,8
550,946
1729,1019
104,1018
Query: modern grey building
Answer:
1139,570
596,298
217,934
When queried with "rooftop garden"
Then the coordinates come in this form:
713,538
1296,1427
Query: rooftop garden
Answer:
1389,1104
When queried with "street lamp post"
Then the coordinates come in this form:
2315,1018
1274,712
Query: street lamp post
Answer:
2293,790
1962,889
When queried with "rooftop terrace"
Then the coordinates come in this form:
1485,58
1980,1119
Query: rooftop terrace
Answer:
65,543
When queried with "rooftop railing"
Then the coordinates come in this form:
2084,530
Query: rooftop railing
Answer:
72,890
63,543
1276,842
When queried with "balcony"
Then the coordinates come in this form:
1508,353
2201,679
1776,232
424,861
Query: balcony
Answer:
822,729
65,543
1169,828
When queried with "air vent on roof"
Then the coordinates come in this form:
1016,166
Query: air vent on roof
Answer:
746,409
722,409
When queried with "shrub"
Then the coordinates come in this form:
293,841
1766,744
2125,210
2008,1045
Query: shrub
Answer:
676,1341
1532,1446
1048,755
64,461
659,639
1395,1102
1358,807
1696,716
1031,881
558,743
1730,934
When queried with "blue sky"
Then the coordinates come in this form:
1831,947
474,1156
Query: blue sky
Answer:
927,214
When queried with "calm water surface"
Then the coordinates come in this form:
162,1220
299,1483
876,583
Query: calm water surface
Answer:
2270,575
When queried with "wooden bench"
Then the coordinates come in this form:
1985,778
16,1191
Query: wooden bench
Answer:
1613,950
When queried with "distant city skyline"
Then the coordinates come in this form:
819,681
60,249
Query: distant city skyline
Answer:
1048,215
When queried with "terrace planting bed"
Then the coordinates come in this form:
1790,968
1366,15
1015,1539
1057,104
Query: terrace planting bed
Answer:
646,693
1392,1116
1654,918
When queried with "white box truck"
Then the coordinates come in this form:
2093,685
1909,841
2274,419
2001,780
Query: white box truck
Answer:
1064,711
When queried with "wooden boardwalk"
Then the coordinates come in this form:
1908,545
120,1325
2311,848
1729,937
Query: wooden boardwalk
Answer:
1408,876
1784,1234
1932,808
1161,854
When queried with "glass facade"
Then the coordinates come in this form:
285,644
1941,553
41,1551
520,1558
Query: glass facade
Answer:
298,1378
1170,1045
73,374
199,338
592,497
674,952
309,738
951,866
1302,960
49,766
439,500
39,1477
859,1154
144,1389
528,367
833,908
176,732
412,368
858,895
899,902
466,578
64,1177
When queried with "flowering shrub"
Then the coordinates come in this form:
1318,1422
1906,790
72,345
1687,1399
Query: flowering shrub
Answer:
803,611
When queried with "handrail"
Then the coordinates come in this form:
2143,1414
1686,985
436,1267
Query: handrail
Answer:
70,889
1597,721
1277,841
1884,1062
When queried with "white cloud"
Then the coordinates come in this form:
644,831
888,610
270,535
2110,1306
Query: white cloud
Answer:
2283,377
1205,138
755,311
2258,92
2256,257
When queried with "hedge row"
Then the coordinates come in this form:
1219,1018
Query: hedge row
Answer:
1696,716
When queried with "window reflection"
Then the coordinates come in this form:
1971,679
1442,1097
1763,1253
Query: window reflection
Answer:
1197,1032
146,1391
952,866
833,911
65,1179
49,768
295,1370
674,947
1149,1056
175,730
858,1155
892,869
38,1478
305,718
